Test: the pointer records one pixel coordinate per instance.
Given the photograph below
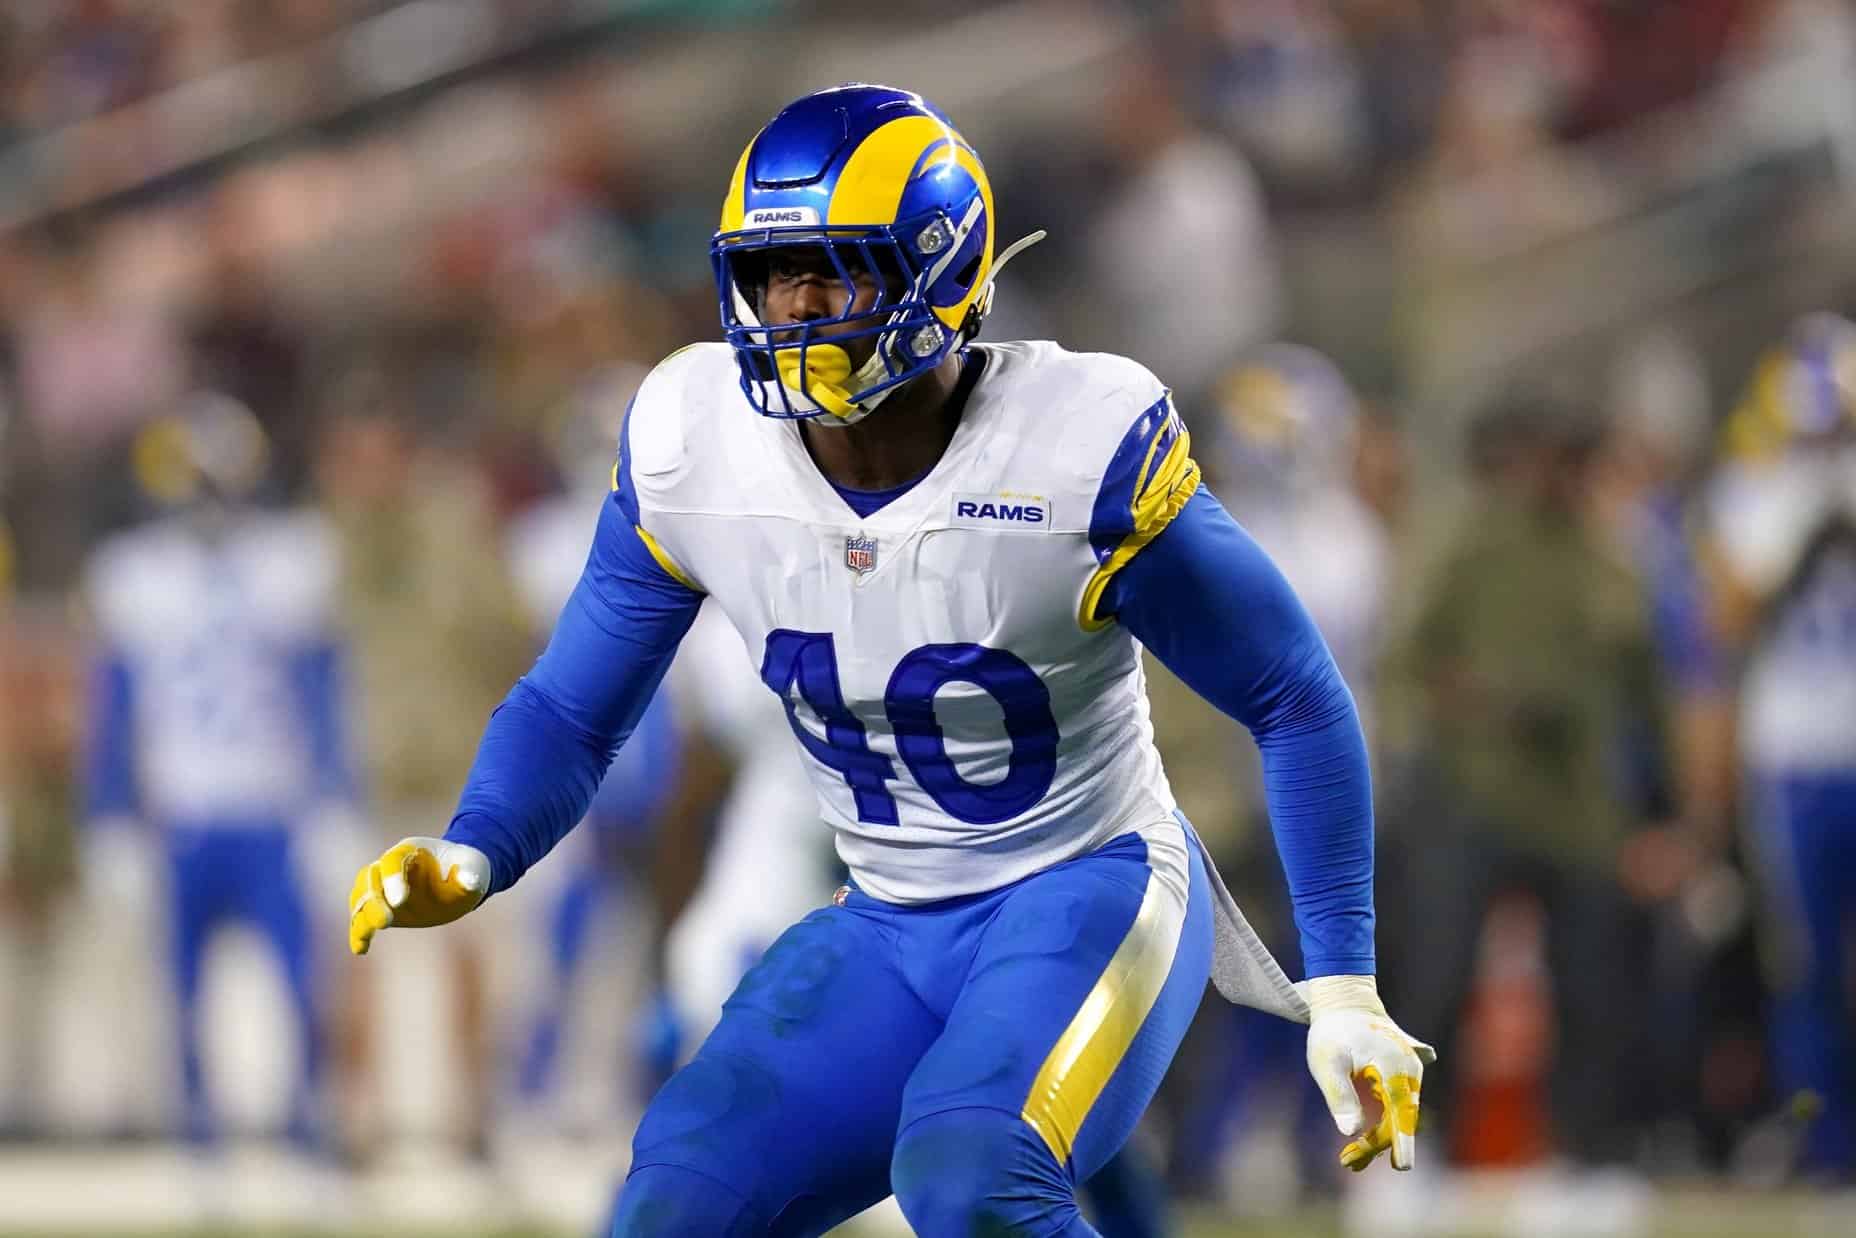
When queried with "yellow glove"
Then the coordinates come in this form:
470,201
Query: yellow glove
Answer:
418,883
1352,1039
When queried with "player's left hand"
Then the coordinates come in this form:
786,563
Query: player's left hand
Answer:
1353,1044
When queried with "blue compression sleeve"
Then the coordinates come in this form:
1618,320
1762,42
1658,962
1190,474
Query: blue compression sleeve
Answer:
109,758
550,741
1213,607
317,672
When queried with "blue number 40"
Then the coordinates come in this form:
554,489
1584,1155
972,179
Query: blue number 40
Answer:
809,661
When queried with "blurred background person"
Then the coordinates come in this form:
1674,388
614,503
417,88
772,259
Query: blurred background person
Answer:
437,634
40,709
1649,480
217,739
1176,195
1532,651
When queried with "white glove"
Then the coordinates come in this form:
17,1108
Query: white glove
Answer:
1353,1042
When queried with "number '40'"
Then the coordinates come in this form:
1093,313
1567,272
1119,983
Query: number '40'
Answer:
809,661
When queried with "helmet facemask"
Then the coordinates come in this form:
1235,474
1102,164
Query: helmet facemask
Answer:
804,370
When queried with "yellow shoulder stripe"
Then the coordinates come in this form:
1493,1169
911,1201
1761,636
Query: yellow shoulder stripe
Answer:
1159,496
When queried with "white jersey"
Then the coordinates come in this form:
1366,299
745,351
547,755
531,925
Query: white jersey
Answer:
1773,523
964,718
208,629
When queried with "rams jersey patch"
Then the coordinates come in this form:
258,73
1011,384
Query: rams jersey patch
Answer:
1018,513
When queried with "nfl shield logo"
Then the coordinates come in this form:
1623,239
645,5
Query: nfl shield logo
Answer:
860,554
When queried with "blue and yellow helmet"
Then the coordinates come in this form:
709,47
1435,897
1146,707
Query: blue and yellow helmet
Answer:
1286,416
882,182
1803,391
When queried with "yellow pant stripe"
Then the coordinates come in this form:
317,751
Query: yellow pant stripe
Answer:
1085,1056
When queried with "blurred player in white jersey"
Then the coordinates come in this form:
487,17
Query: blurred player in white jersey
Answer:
217,715
1782,522
1287,449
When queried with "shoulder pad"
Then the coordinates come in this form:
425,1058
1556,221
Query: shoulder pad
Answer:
674,400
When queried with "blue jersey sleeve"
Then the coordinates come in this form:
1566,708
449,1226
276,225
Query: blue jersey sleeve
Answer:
316,670
549,743
110,787
1210,604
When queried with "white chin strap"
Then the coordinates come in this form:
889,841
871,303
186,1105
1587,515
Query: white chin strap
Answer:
984,300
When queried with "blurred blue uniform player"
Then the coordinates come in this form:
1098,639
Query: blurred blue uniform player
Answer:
1782,522
217,713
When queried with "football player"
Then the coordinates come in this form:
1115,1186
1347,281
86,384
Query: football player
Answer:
217,715
943,558
1782,520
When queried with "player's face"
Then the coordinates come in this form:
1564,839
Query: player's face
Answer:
804,285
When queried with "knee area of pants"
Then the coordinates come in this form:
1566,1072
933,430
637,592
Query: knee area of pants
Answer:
978,1173
669,1201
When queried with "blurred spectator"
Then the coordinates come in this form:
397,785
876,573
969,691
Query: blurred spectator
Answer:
39,712
1650,476
1646,482
1182,263
438,634
1283,81
242,345
92,367
1533,654
1399,48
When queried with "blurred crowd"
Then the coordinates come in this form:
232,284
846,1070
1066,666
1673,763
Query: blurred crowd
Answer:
313,352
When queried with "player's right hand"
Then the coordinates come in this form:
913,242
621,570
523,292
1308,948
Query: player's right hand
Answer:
418,883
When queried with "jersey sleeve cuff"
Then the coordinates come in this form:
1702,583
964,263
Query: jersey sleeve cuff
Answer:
1319,965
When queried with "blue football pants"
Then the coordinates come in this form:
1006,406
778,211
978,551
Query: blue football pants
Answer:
978,1057
221,876
1806,830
